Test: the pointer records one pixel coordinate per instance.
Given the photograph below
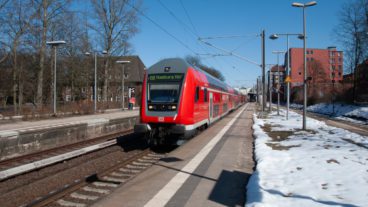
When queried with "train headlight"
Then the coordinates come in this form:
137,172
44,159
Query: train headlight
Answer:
173,107
150,107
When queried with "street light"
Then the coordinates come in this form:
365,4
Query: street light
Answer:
95,82
269,88
288,69
55,44
278,80
122,62
295,4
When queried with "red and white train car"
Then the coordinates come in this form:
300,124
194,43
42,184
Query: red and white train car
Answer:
178,98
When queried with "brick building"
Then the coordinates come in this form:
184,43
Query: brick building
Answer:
330,60
278,74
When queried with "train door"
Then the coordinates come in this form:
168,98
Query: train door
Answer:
210,107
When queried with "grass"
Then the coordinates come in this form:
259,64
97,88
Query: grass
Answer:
277,137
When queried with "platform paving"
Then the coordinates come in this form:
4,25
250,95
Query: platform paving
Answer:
181,179
25,125
24,137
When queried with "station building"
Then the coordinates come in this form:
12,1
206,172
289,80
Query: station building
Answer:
133,73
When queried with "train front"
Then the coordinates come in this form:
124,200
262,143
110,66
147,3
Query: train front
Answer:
161,101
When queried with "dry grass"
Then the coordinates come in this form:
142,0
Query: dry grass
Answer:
332,161
278,136
277,146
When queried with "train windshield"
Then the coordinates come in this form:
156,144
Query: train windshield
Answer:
163,93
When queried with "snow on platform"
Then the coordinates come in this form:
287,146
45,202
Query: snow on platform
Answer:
321,166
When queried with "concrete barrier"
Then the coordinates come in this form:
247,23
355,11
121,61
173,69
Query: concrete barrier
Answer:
24,141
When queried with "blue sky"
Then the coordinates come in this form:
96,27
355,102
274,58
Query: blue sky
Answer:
232,17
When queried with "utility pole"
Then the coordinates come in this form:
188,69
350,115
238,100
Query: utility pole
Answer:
278,80
257,89
263,71
270,89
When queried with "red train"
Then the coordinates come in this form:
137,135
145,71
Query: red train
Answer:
178,99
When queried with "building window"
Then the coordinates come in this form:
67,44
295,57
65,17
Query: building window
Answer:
311,52
307,51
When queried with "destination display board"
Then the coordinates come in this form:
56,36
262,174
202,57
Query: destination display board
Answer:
162,77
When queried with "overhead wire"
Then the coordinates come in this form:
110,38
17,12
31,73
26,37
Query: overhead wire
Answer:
213,56
162,28
186,27
193,32
187,14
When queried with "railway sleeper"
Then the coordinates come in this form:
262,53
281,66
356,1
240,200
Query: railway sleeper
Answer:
105,184
63,202
96,190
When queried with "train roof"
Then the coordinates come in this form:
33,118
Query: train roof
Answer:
179,65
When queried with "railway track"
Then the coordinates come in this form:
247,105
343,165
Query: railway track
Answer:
81,180
95,186
350,126
36,156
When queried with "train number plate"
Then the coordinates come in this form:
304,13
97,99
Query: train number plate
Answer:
161,119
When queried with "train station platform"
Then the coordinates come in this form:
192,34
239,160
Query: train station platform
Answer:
23,137
212,169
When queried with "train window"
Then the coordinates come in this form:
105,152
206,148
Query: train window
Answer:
159,93
205,95
197,94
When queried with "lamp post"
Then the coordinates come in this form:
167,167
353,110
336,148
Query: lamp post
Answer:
95,77
288,69
295,4
278,80
269,87
122,62
269,90
55,44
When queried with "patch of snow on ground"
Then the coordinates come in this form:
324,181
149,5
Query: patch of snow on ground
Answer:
322,166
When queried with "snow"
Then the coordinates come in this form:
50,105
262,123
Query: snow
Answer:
352,113
321,166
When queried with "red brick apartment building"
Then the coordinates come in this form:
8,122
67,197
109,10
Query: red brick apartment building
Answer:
329,60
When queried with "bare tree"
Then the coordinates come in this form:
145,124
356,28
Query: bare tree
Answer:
3,3
115,22
47,11
3,52
16,23
351,31
71,29
197,62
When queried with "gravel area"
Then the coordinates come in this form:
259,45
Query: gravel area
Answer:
25,188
